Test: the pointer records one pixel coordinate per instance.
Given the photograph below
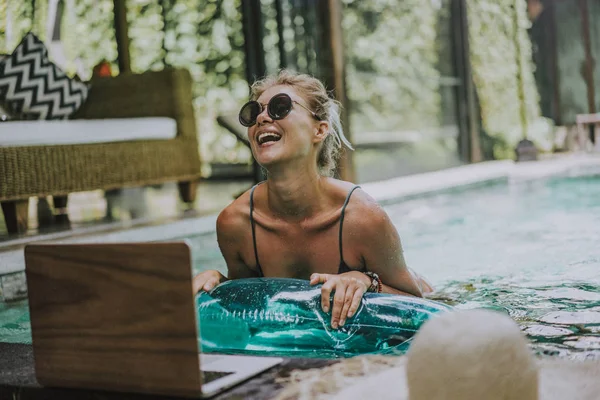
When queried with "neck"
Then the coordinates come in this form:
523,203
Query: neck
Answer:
295,191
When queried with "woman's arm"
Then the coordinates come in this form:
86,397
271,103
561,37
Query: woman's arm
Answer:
230,235
371,236
381,251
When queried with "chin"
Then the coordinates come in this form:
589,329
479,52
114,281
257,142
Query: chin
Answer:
266,156
268,162
276,156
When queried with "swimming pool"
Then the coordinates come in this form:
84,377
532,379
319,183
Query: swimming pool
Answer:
530,248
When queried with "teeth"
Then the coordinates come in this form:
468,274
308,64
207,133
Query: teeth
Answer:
265,135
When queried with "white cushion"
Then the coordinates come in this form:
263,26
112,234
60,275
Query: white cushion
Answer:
83,131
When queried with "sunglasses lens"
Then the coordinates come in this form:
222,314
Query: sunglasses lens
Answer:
249,113
280,106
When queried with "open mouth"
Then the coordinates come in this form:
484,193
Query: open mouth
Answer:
267,137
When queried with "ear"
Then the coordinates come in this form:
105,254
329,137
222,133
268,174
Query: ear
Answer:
321,131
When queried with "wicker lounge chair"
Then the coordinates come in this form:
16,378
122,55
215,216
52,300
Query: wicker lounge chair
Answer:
57,170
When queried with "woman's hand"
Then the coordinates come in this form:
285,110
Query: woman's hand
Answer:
207,280
349,289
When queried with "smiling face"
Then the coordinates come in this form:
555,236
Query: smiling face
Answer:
295,137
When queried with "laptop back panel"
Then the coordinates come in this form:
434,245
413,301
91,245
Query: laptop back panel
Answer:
114,317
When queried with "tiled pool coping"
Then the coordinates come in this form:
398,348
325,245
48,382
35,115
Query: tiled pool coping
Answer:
385,192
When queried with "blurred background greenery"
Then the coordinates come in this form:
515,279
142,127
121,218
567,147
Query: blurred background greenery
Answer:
403,67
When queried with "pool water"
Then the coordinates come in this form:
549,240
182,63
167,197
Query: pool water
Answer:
530,249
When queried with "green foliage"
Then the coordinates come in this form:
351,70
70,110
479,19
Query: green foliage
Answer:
40,16
392,75
206,37
495,40
397,54
16,19
146,34
88,35
3,21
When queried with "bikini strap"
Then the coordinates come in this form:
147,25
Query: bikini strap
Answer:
260,273
342,220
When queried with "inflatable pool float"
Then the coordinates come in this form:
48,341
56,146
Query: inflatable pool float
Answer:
281,316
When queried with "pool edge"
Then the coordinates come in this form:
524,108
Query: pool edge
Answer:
385,192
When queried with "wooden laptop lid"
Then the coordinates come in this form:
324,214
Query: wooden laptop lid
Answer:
114,317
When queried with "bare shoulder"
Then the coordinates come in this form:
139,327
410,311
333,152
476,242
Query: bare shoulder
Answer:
234,220
364,214
233,236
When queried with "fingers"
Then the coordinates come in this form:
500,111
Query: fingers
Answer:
346,300
210,284
348,297
318,278
205,281
338,303
326,289
356,298
197,284
354,295
326,294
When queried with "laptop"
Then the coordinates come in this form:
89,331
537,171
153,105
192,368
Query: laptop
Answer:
121,317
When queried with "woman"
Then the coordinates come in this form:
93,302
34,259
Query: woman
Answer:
301,222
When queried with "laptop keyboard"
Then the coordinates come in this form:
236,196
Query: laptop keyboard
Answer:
209,376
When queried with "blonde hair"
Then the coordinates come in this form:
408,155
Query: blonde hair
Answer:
326,109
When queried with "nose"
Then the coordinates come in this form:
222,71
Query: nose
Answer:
263,117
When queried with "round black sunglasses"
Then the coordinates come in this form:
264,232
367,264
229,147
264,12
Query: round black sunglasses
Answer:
278,108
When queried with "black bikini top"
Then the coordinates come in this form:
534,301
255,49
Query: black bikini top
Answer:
343,266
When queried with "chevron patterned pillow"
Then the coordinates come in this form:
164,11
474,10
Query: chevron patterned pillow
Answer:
32,87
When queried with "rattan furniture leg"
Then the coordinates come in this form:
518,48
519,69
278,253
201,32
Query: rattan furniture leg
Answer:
16,215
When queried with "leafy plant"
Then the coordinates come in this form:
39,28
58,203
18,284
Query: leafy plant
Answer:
495,43
392,75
